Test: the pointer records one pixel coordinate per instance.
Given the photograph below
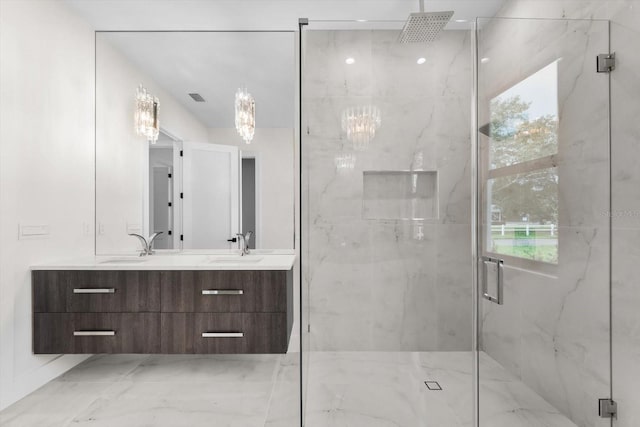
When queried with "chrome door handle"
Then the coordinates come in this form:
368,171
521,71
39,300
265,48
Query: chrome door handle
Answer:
222,292
94,291
498,298
222,334
94,333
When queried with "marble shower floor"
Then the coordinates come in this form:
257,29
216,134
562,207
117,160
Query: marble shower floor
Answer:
354,389
385,389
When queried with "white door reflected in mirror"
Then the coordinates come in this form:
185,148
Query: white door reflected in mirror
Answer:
211,195
197,206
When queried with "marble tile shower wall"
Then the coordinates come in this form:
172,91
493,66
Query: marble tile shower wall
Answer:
394,285
625,87
553,330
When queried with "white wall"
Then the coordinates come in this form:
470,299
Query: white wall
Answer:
121,155
275,174
46,169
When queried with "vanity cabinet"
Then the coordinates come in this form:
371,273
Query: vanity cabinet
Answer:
168,311
78,291
226,311
65,333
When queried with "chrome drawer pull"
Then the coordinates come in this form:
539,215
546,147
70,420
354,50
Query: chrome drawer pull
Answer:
222,334
94,333
94,291
222,292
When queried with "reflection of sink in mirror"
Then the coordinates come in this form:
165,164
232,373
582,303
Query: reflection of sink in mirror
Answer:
123,261
235,259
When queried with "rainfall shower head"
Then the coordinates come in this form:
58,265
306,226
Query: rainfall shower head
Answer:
424,27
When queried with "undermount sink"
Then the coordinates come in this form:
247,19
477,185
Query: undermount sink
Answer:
235,259
123,261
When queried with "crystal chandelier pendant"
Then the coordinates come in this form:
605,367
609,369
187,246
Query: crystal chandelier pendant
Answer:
345,162
360,124
245,114
147,110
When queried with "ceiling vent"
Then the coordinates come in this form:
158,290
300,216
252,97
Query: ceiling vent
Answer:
196,97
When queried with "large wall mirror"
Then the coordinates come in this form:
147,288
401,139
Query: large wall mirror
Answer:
197,181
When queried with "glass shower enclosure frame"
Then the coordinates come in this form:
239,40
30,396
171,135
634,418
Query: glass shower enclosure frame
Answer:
386,298
539,223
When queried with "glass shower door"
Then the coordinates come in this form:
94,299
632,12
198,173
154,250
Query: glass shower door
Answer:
543,223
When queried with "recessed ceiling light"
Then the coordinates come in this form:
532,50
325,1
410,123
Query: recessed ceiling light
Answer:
460,21
421,61
361,20
484,60
350,61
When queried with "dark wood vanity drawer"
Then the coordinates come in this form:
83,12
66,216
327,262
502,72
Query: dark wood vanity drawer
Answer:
228,291
96,291
90,333
204,333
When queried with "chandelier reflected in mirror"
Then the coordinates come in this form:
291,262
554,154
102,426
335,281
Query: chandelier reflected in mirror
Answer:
245,114
147,110
360,123
345,162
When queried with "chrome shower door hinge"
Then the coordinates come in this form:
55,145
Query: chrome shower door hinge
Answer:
607,408
606,62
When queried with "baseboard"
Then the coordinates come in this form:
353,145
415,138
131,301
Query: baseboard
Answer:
28,382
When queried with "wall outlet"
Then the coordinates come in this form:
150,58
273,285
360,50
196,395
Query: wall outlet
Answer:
100,229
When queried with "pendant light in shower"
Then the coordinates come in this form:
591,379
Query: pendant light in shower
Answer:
245,114
146,117
360,123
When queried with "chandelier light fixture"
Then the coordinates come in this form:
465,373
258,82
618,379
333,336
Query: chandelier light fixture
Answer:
245,114
360,124
146,119
345,162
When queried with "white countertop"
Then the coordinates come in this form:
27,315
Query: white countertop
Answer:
187,260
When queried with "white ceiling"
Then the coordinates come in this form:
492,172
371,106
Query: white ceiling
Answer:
259,14
215,64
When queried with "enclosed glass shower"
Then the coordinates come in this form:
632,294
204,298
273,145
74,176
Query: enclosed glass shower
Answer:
455,202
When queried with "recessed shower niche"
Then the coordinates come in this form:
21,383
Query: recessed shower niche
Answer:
400,195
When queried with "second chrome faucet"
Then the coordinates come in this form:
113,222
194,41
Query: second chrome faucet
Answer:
243,242
147,244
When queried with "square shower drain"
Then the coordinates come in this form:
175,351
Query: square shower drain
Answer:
433,385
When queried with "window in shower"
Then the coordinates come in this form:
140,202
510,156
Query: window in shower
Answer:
522,177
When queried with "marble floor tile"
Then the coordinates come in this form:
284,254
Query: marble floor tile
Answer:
387,389
368,389
205,368
104,368
54,404
167,390
181,404
384,389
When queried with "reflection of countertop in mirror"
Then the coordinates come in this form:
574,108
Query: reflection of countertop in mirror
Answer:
186,260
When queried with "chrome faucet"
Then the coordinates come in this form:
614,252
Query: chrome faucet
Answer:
243,242
147,244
